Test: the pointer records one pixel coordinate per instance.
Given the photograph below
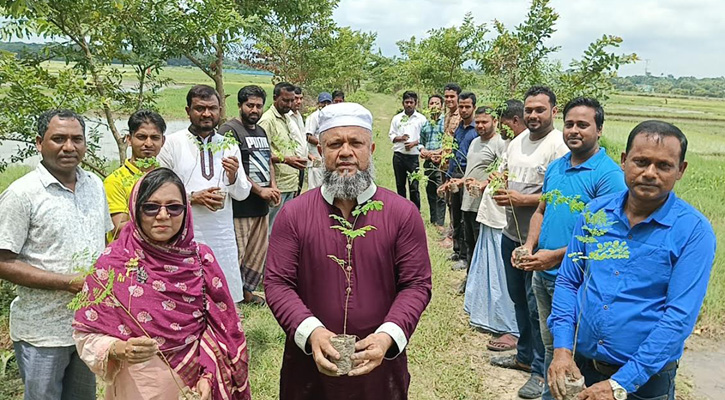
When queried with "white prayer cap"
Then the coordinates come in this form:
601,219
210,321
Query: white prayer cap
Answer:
345,114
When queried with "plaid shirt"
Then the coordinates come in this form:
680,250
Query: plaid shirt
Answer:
431,136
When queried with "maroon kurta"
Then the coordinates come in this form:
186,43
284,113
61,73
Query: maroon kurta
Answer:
391,282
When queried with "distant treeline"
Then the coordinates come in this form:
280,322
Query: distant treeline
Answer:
34,48
686,85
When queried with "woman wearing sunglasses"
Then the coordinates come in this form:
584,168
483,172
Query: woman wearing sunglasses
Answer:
158,301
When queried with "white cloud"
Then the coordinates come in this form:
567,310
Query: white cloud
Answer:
679,37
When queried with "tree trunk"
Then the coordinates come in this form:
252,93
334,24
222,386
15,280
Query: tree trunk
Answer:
219,79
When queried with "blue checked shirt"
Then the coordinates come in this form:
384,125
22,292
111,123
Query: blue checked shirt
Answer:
636,311
431,135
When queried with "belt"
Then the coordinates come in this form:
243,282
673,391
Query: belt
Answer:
611,369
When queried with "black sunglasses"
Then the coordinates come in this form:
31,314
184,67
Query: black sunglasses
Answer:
153,209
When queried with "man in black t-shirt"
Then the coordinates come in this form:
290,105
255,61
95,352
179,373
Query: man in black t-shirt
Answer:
251,214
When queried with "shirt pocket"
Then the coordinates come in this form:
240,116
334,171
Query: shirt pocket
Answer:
651,269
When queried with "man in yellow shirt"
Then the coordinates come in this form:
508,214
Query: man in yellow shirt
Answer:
145,137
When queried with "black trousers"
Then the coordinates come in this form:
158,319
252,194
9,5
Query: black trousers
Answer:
459,244
436,204
470,235
402,165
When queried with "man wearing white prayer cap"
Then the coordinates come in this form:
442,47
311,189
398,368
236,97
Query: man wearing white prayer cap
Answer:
321,283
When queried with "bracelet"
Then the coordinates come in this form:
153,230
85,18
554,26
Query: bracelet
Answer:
112,352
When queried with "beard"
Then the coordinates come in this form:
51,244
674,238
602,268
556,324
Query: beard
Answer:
346,187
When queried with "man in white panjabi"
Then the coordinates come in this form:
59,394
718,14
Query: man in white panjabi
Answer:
209,167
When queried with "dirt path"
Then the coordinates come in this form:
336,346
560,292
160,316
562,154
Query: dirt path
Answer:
704,364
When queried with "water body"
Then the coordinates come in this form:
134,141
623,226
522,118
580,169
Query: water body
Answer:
107,142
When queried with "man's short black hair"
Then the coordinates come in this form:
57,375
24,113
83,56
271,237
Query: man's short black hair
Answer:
660,129
251,91
338,93
298,89
466,96
435,96
537,90
286,86
587,102
141,117
486,110
203,92
409,94
45,118
513,108
453,86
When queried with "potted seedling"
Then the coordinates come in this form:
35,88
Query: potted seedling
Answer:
85,263
595,225
343,343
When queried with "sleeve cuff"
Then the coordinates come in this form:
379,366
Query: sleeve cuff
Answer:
398,336
304,330
630,377
563,338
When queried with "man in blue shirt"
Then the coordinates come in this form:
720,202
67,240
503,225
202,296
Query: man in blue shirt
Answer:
574,179
431,141
638,274
464,135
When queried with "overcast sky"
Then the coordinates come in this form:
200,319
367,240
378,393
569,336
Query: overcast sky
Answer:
679,37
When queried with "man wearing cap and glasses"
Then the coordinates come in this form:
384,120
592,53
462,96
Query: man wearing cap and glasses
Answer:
390,273
314,167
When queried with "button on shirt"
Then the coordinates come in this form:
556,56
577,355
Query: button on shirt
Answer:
46,225
637,311
596,177
406,125
463,137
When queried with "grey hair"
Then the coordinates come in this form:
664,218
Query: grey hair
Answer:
45,118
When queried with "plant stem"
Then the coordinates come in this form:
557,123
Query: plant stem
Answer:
163,357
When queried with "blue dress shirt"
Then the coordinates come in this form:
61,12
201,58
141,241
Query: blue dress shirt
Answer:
596,177
464,136
638,311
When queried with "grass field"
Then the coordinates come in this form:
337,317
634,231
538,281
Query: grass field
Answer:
447,358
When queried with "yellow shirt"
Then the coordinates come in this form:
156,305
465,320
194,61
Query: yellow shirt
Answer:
118,187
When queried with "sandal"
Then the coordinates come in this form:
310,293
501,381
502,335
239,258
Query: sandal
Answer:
510,362
252,299
504,342
533,388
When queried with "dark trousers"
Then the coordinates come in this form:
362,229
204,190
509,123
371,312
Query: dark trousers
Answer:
470,235
402,165
459,242
661,386
530,347
436,204
300,182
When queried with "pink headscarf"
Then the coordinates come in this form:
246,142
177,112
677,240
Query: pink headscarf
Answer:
178,296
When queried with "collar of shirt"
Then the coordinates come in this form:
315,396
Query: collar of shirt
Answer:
366,195
276,113
131,167
47,179
662,215
205,140
592,163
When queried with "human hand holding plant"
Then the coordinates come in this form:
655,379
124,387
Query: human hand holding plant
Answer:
271,195
203,387
541,260
322,351
231,166
370,352
410,145
208,198
562,367
296,162
135,350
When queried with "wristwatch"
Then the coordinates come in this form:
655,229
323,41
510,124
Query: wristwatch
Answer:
620,393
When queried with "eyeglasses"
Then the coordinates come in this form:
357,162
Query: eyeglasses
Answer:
153,209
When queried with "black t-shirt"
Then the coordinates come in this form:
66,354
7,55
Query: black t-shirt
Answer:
256,154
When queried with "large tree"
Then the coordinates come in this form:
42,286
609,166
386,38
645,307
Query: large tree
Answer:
90,35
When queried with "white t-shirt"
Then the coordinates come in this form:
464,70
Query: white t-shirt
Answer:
313,123
410,127
297,128
526,161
